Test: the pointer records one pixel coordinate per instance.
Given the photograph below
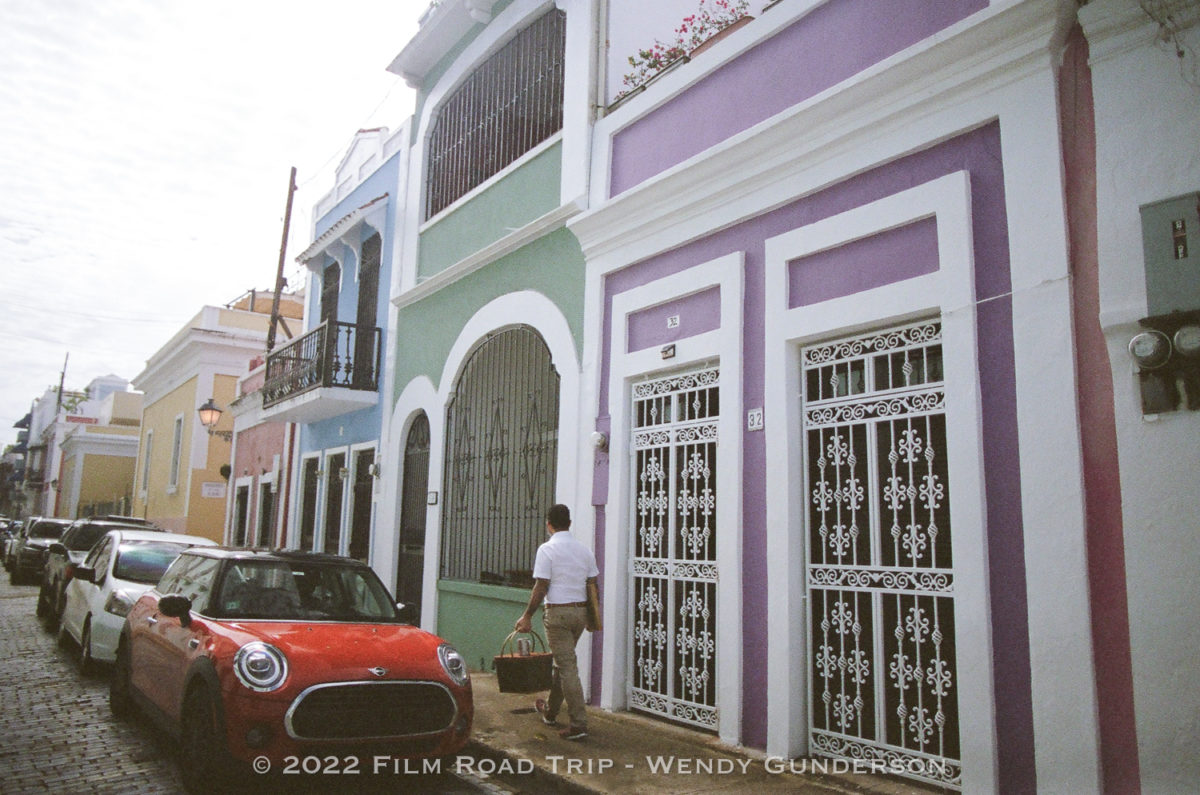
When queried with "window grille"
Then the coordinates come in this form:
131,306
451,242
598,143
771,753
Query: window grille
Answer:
508,105
501,459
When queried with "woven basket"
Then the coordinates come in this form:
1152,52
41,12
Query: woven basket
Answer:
529,673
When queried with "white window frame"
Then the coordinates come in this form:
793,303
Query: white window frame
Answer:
147,452
347,519
176,456
266,481
323,499
296,530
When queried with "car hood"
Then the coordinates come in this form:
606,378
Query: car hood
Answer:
331,651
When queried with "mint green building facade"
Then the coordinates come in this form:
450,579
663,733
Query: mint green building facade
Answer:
484,427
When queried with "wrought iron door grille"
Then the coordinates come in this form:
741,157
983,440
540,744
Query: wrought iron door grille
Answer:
506,107
501,459
674,624
879,573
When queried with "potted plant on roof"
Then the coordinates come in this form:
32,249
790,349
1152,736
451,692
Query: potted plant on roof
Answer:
713,20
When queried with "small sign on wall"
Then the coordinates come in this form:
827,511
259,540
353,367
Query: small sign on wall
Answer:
213,490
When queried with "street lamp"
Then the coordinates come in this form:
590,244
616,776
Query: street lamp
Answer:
210,415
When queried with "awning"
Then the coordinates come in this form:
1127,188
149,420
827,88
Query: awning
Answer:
343,225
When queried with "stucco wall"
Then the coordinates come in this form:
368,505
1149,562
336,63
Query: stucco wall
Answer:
1147,109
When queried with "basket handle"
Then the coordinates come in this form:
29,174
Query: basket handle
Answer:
508,641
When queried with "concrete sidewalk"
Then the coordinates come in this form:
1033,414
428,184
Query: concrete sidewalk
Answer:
626,752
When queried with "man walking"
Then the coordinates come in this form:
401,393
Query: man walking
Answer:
561,573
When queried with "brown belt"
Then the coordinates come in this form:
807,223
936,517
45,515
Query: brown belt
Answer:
568,604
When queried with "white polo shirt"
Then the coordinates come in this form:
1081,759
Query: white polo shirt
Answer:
567,564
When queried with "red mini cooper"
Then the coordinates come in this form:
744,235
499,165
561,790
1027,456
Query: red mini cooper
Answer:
286,655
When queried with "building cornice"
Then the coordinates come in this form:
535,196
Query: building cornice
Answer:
763,164
503,247
441,28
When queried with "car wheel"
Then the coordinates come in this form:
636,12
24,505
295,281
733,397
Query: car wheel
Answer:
62,637
120,692
15,577
43,604
203,755
87,666
60,604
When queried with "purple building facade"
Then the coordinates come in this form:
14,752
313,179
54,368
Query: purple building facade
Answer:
843,324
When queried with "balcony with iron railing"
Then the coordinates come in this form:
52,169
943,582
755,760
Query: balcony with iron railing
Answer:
329,371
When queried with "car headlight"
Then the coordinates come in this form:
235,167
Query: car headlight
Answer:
119,603
453,664
260,666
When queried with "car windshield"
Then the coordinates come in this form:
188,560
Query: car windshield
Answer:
303,591
145,561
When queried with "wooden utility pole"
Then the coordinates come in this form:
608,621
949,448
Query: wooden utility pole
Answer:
62,378
279,281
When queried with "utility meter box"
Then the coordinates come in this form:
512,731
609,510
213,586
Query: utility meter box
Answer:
1171,242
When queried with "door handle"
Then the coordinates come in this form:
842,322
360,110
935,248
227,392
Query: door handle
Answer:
151,620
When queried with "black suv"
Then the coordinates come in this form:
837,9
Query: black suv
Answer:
69,551
29,548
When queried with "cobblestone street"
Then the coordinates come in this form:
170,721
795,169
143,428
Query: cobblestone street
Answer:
57,734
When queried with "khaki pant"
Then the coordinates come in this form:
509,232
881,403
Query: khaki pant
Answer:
564,625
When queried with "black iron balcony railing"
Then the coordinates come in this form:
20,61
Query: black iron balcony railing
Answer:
337,355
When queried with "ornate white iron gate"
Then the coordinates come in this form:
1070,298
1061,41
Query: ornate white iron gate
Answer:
675,548
879,577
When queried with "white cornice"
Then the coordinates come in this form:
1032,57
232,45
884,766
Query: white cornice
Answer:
762,164
1115,26
442,29
226,350
488,254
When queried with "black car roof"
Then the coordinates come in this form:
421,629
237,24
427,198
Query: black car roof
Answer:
286,555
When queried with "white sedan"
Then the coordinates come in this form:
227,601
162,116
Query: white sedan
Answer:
122,566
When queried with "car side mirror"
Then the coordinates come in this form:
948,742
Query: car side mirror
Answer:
409,613
176,606
85,574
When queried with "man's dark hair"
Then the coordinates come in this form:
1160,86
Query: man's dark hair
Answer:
559,516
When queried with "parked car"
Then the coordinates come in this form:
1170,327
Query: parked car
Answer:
119,568
61,558
10,543
29,550
250,653
8,531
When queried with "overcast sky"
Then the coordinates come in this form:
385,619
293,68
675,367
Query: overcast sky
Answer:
144,154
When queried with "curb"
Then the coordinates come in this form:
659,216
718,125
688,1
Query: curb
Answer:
540,779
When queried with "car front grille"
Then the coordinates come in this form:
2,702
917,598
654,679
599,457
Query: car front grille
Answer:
370,710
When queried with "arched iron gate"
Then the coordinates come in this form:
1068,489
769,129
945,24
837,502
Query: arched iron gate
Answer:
501,457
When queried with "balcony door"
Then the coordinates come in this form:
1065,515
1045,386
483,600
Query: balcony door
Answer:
364,374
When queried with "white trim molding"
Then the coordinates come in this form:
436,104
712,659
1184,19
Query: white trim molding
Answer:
948,294
721,345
